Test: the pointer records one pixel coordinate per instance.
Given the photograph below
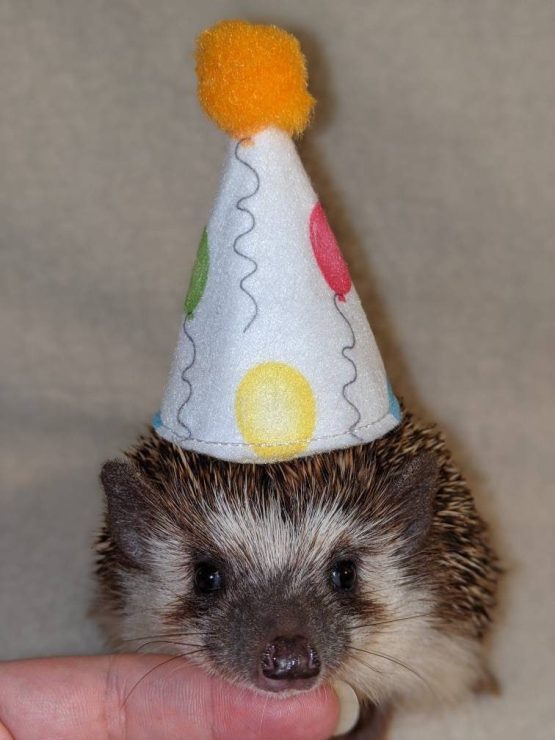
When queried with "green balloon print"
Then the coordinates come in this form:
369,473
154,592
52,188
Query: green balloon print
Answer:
198,277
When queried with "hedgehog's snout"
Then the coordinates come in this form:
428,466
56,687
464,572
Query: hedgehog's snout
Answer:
289,662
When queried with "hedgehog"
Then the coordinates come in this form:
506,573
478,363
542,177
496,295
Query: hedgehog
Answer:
283,524
369,565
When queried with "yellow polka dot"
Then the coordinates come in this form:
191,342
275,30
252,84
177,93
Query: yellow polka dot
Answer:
275,410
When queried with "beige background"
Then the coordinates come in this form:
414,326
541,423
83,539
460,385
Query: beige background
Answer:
434,154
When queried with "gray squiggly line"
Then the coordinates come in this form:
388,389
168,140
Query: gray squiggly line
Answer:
187,382
344,351
240,207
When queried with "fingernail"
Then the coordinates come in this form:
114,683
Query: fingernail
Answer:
349,708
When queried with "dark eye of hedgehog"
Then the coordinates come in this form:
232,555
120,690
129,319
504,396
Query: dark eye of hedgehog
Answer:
344,575
208,578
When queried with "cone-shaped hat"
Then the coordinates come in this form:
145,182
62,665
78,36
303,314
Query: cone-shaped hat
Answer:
275,358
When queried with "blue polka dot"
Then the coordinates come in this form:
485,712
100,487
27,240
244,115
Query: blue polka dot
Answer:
156,420
394,408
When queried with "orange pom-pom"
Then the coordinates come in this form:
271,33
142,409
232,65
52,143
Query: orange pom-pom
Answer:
251,77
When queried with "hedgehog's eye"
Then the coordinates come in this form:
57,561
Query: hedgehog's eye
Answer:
344,575
208,578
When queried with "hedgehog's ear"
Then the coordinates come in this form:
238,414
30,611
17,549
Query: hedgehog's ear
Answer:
126,495
413,490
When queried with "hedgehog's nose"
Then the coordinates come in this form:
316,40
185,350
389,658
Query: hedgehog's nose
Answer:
289,663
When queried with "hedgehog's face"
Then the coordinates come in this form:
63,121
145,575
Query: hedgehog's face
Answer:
278,579
274,595
276,628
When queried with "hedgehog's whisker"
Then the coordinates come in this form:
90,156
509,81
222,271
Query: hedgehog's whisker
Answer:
163,634
367,665
262,713
160,665
392,621
167,642
398,662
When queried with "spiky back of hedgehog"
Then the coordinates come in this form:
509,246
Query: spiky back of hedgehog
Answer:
423,575
462,568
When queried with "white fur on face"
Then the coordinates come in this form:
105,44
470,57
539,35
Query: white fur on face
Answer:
405,658
150,597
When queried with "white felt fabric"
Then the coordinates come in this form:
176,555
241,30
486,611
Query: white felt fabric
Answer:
267,301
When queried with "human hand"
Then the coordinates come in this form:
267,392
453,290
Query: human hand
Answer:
127,696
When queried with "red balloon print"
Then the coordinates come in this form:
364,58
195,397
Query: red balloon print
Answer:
328,255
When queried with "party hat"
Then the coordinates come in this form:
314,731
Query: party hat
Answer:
275,358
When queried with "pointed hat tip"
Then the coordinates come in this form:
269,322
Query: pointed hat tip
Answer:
251,77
